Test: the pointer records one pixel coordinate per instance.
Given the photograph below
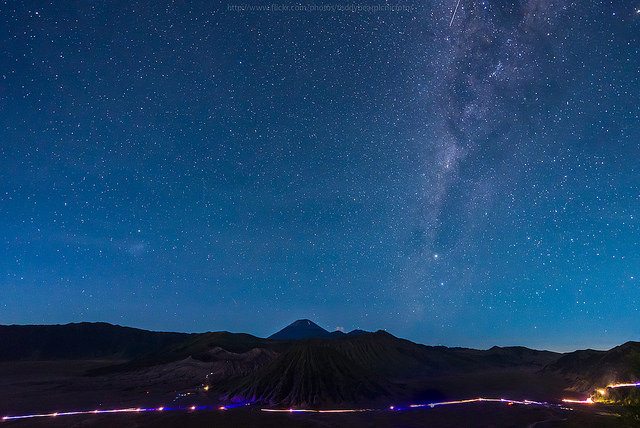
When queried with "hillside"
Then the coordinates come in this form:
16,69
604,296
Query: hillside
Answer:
81,341
335,369
364,368
310,375
588,369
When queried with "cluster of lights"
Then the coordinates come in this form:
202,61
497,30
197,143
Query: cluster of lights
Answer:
603,392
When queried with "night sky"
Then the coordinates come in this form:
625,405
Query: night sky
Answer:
193,167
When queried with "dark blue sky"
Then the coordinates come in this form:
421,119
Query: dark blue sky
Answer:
195,167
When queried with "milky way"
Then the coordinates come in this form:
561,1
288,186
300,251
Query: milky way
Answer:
469,181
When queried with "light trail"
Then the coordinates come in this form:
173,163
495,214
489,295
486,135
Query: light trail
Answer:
291,410
415,406
454,13
233,406
97,412
587,401
319,411
477,400
603,392
623,385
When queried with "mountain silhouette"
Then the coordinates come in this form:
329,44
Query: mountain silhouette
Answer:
301,329
588,369
305,365
84,340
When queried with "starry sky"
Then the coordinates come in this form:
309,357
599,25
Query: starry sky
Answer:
199,166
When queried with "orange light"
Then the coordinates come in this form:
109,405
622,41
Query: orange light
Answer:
587,401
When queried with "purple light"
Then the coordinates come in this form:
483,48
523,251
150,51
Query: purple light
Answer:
291,410
94,412
623,385
233,406
415,406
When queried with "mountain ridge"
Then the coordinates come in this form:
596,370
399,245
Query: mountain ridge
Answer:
300,329
85,340
334,369
306,329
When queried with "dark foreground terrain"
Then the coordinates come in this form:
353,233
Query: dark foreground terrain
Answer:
305,368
